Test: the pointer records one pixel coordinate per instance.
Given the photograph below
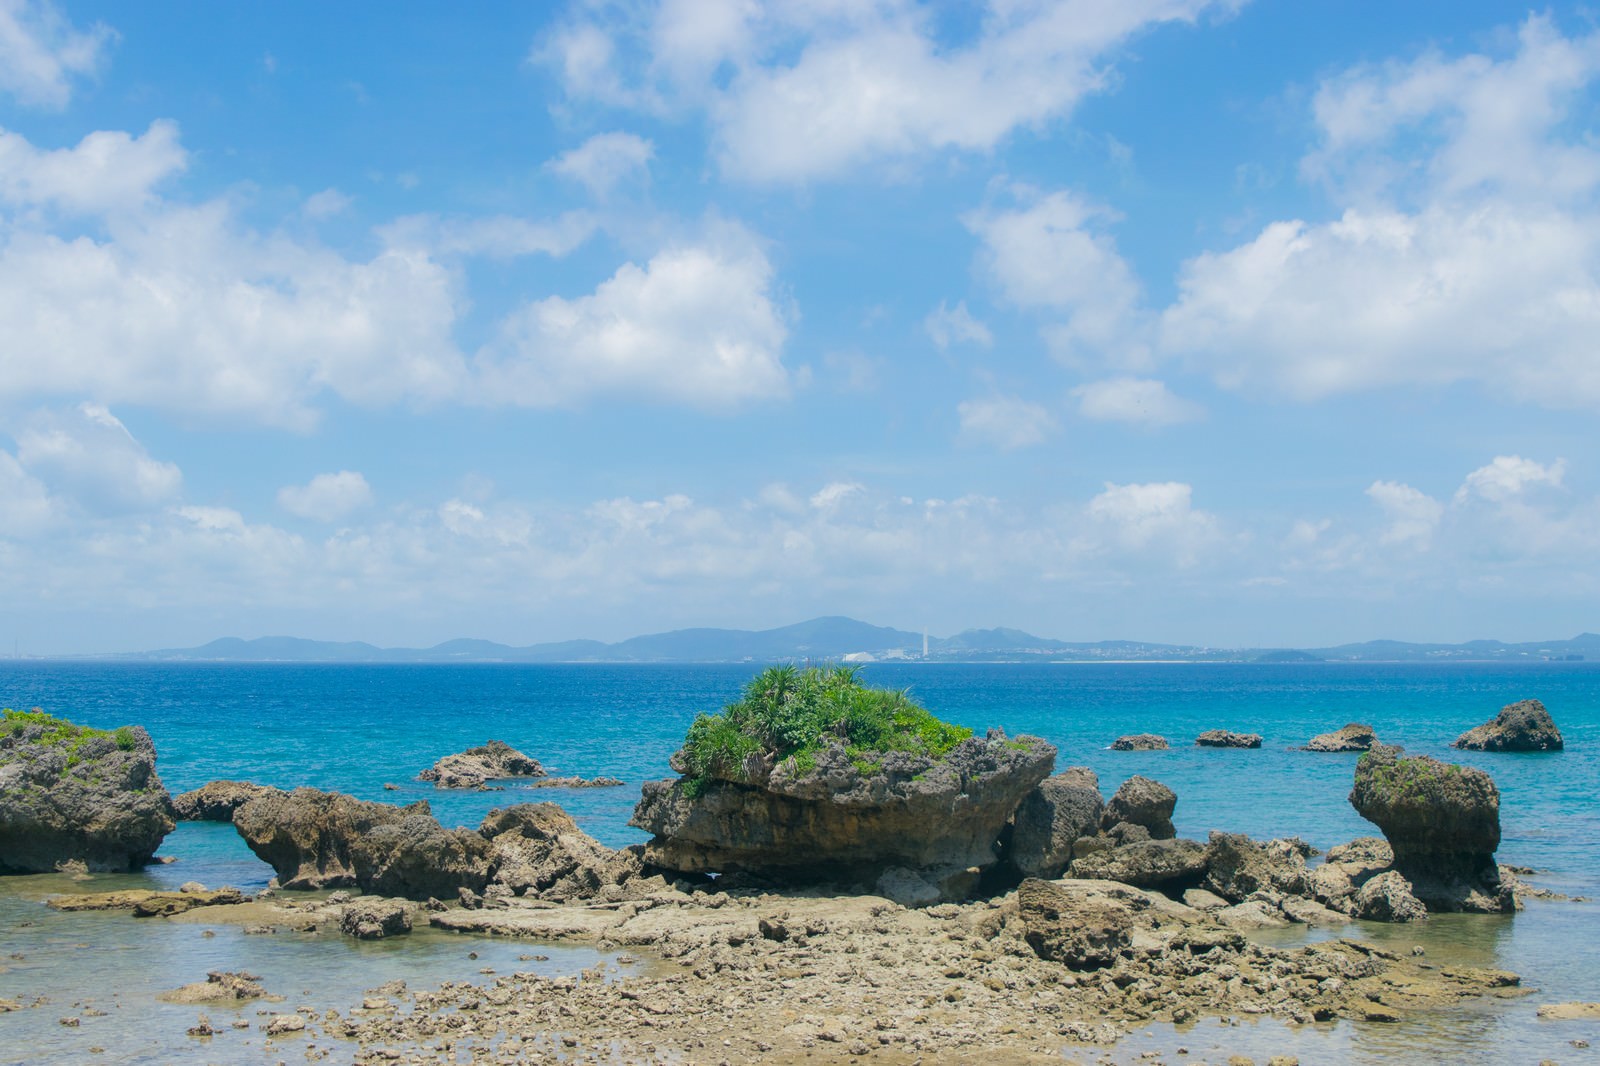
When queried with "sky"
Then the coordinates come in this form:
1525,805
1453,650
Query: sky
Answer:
1220,322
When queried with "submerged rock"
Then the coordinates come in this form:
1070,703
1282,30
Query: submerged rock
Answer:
475,767
1050,818
540,851
1142,802
1521,726
1140,742
1442,822
71,794
1353,737
841,821
215,801
1222,738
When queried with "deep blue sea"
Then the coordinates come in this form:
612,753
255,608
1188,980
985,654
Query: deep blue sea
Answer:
356,728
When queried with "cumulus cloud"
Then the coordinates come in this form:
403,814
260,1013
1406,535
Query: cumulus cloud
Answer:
108,170
328,497
605,160
1158,516
1508,477
1051,252
1413,515
326,204
1467,250
42,54
796,92
699,324
955,325
87,454
1005,422
1141,401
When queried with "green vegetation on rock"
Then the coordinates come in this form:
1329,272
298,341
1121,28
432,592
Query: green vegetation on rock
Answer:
791,714
55,731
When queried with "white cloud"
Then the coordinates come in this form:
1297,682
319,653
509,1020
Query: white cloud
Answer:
1508,477
1050,254
496,236
326,204
1005,422
1141,401
605,161
1413,515
41,53
831,495
955,325
798,91
699,324
88,454
106,171
25,504
328,497
1468,249
1157,516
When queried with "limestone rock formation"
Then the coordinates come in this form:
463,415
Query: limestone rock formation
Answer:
1169,865
375,919
475,767
416,858
215,801
1353,737
69,794
1521,726
1050,818
837,820
540,851
1140,742
1142,802
306,836
1442,822
1222,738
1238,867
1388,898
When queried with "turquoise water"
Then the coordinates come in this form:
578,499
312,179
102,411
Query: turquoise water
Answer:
356,728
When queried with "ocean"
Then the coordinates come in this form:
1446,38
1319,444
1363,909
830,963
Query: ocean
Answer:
357,728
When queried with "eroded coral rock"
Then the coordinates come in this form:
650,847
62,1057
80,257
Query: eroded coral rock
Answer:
375,919
215,801
475,767
1051,818
1168,865
1142,802
1521,726
1352,737
1222,738
540,851
1140,742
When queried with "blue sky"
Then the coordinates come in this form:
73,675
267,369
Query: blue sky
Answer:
1234,323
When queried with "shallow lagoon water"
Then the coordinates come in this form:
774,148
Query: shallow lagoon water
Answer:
355,728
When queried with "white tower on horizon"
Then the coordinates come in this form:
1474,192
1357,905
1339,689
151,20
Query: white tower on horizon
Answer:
924,642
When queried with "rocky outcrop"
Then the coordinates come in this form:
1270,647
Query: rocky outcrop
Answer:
70,794
1142,802
1140,742
307,836
1051,818
1388,898
837,820
1084,925
1168,865
1238,867
375,919
1353,737
1442,822
215,801
145,903
475,767
1222,738
1521,726
540,851
416,857
218,987
1337,882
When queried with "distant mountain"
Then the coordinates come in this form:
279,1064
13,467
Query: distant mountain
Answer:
836,638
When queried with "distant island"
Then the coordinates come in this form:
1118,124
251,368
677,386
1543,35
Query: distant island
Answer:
838,639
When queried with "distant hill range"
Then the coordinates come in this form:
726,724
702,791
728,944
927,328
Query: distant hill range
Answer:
845,639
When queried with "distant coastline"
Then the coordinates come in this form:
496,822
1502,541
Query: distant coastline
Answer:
848,640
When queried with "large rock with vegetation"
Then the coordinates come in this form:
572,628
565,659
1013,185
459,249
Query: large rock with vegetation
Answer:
69,793
1521,726
1051,818
476,767
1442,822
812,776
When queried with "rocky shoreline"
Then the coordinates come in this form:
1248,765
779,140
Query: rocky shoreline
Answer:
966,905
